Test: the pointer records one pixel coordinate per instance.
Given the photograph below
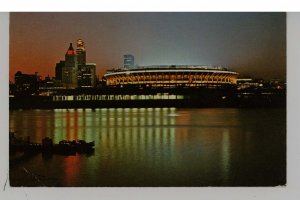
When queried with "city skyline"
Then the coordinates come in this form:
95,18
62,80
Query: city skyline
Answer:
186,100
256,41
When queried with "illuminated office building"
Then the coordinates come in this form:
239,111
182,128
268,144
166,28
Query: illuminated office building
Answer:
80,51
86,71
74,72
87,75
70,69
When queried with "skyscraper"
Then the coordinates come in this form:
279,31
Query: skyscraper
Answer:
80,51
86,71
74,71
128,60
58,70
87,75
70,69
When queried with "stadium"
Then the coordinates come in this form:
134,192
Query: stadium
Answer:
165,76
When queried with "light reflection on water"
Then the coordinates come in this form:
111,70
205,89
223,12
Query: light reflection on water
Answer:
158,146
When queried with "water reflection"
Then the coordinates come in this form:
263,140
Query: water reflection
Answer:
225,154
160,146
71,169
136,134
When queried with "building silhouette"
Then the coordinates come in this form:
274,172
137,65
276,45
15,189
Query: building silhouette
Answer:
74,72
86,71
58,70
70,69
128,61
80,51
87,75
26,84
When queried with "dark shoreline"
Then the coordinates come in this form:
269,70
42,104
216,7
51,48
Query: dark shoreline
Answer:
276,101
169,97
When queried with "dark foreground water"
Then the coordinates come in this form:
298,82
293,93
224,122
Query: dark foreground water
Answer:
156,147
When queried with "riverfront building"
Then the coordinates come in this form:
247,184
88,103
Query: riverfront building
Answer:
87,75
74,72
26,83
80,51
70,69
86,71
58,70
184,76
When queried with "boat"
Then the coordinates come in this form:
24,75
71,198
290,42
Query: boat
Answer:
64,147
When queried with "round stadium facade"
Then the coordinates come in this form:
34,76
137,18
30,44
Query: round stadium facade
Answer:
162,76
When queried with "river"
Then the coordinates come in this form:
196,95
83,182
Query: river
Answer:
155,147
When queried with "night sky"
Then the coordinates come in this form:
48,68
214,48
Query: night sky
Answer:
252,44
